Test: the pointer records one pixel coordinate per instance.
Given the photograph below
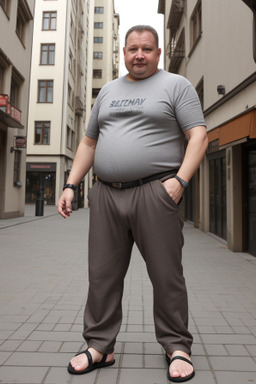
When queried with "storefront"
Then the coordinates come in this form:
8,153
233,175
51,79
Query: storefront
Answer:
40,178
232,182
250,202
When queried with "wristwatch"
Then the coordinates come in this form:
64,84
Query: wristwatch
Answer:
183,183
71,186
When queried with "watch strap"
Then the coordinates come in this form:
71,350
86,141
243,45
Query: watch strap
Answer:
183,183
71,186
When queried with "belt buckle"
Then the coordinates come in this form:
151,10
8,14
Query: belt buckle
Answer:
117,185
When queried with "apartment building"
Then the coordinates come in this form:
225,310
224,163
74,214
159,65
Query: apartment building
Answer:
213,45
59,99
16,26
105,45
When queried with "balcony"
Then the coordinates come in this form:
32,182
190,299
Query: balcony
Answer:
177,53
9,115
175,15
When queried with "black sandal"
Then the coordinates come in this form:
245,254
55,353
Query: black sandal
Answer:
178,379
92,365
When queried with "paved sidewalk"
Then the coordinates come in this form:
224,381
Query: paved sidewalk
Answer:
43,285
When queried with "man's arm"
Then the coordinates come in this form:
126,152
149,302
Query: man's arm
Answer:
82,163
197,145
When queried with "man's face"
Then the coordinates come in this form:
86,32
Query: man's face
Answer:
141,55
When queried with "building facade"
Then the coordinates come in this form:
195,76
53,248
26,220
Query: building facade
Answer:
58,97
69,61
105,45
213,45
16,26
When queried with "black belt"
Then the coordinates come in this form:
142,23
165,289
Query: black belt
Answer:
137,183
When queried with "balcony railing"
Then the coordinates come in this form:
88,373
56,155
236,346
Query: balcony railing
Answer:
9,114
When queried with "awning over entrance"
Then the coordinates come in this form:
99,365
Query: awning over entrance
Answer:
242,127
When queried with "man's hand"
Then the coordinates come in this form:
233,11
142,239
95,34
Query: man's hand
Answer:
174,189
64,207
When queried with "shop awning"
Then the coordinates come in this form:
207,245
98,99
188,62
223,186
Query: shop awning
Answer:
242,127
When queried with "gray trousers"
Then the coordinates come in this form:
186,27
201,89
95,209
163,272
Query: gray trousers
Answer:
149,217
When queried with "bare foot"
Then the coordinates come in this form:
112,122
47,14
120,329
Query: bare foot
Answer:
80,362
180,368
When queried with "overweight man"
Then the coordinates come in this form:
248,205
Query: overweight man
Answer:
136,141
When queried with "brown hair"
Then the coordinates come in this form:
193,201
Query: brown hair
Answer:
142,28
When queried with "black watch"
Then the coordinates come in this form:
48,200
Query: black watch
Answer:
183,183
71,186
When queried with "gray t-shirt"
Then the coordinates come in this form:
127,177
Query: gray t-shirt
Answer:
139,125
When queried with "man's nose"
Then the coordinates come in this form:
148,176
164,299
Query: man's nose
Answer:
139,54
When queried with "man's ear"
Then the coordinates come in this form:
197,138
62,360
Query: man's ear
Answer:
159,53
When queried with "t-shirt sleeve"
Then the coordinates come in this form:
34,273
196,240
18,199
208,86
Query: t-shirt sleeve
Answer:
92,130
188,109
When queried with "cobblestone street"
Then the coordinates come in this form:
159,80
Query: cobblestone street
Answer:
43,286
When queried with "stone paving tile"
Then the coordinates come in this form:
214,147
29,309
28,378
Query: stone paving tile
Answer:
132,361
251,349
107,376
9,326
55,336
133,348
143,376
237,350
50,346
238,364
228,339
22,375
72,347
235,377
23,332
216,350
154,361
153,348
10,345
39,359
3,357
29,346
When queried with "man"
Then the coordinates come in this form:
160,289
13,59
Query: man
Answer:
135,139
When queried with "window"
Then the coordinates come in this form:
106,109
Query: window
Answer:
47,56
196,24
16,83
98,40
95,92
97,73
42,132
70,138
5,5
23,17
45,91
16,169
99,10
98,25
97,55
4,64
71,97
49,21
